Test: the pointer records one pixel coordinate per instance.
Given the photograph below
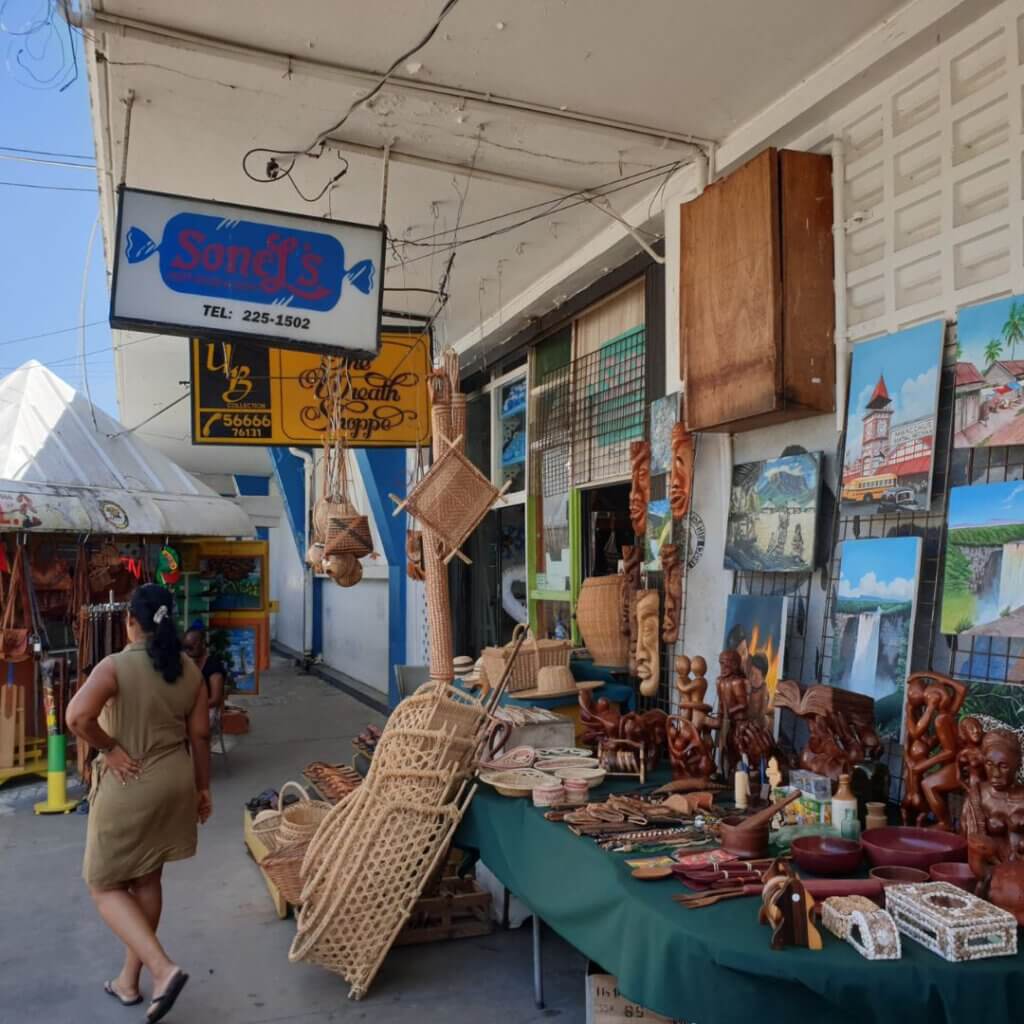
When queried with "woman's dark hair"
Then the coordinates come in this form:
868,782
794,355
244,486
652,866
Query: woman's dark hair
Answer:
152,607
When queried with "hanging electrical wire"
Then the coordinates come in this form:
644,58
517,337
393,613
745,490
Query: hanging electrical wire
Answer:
281,162
50,188
585,199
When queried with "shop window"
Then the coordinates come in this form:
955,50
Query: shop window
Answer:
508,446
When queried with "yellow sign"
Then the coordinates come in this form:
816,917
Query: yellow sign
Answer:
249,394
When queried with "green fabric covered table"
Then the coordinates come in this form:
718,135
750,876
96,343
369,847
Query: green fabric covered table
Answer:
714,965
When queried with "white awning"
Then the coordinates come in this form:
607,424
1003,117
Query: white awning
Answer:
66,466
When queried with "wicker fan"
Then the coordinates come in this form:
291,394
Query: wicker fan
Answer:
452,499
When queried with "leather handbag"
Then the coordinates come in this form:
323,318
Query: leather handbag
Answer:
14,638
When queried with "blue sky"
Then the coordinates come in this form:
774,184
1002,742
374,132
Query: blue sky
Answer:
976,326
884,568
910,361
986,504
46,231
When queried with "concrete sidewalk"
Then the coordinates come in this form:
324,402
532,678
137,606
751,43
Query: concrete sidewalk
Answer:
218,922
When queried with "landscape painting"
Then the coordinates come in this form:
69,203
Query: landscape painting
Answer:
983,583
755,627
873,622
989,374
773,509
659,531
890,422
664,412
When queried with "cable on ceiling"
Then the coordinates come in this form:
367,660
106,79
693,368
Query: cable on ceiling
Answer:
275,170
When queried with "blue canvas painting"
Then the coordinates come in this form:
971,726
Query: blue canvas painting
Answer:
990,374
873,622
890,421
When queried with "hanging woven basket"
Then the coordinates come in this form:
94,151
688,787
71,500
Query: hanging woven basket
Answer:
348,533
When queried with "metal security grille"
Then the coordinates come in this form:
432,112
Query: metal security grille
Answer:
929,649
608,407
550,440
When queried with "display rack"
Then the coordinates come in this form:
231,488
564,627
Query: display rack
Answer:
928,648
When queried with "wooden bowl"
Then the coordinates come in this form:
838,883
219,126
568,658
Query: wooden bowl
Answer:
827,855
954,872
897,874
902,846
748,843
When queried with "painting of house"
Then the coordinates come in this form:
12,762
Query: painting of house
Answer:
890,421
873,622
983,582
989,339
969,386
773,509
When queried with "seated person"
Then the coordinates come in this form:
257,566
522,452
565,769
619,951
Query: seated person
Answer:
211,667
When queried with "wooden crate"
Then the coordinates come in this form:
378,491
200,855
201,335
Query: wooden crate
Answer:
459,910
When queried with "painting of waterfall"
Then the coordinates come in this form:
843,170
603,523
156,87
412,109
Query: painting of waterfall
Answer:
873,622
983,583
773,508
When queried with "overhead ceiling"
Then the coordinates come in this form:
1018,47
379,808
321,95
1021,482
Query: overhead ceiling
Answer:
508,109
683,65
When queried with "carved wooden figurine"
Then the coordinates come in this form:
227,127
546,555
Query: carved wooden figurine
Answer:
632,558
599,719
788,908
647,728
680,483
692,691
994,816
933,704
640,489
738,733
840,723
672,569
648,642
690,754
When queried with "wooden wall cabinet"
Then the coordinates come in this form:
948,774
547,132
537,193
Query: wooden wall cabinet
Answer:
756,295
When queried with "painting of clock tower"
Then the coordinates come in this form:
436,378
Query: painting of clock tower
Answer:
875,434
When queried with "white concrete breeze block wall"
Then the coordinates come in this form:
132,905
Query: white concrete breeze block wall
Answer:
934,194
934,179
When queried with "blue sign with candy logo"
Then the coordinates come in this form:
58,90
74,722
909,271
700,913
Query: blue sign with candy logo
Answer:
245,260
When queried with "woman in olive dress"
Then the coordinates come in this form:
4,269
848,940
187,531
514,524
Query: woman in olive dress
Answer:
145,710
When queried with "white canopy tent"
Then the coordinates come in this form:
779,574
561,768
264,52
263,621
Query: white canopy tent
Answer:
68,467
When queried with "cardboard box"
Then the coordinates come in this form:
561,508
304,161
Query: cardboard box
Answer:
805,811
607,1005
817,786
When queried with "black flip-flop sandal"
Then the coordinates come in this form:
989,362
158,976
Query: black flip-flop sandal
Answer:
108,987
163,1004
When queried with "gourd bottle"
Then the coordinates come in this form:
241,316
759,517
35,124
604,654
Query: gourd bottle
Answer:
844,808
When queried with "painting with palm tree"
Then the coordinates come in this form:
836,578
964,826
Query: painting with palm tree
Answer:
990,374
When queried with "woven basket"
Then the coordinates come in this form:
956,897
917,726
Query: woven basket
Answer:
264,828
533,656
299,821
283,868
598,614
348,534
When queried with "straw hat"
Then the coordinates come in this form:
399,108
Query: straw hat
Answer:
556,681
